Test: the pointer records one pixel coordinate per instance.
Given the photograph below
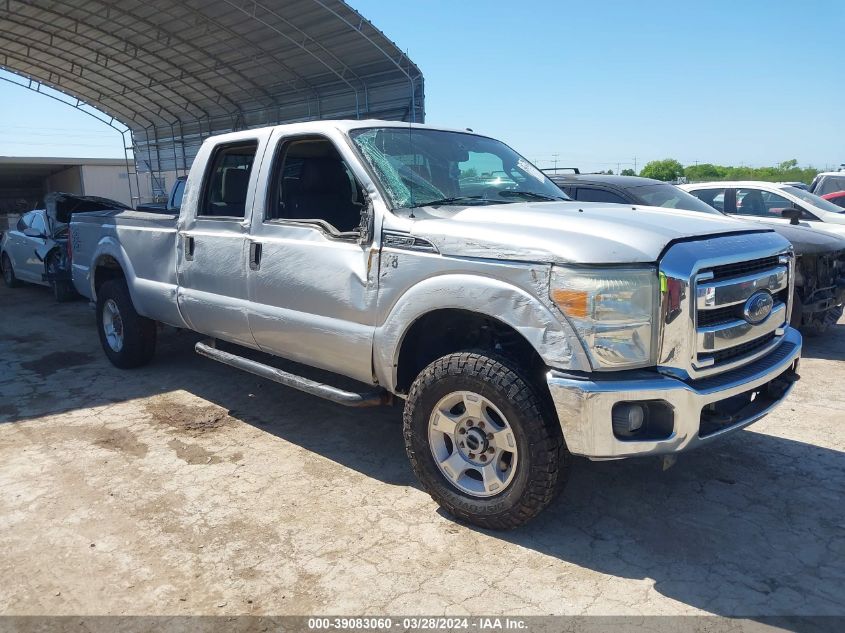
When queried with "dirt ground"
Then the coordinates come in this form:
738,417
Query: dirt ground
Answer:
187,487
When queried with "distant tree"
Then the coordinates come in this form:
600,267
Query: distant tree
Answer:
667,169
628,172
787,171
609,172
704,171
472,172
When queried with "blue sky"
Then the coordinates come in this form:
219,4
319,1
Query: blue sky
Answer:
741,82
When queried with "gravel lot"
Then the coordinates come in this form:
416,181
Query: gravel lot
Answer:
189,488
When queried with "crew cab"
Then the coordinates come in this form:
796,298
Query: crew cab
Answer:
518,327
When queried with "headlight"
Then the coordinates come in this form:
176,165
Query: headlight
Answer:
613,310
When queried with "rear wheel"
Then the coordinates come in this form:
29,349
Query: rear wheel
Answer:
8,272
128,339
480,442
62,290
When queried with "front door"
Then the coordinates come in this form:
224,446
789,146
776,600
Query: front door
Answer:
312,274
213,244
758,204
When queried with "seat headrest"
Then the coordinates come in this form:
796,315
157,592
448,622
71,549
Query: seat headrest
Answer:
323,174
752,202
234,186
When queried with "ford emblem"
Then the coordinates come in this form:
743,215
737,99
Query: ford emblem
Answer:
758,307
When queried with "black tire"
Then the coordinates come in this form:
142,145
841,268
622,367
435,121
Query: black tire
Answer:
62,290
138,332
9,273
542,466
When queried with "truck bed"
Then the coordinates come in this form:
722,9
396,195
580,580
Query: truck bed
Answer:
145,242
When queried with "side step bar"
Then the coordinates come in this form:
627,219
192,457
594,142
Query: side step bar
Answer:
347,398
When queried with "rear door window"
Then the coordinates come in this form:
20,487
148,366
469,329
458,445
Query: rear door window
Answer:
585,194
227,181
714,197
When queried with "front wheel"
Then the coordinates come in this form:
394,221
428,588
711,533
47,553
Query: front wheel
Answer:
8,272
479,442
128,339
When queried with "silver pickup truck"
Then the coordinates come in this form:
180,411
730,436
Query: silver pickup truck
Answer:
442,268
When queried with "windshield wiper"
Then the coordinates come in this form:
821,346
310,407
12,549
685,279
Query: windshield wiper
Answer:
447,201
512,193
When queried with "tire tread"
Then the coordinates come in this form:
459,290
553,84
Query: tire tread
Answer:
549,458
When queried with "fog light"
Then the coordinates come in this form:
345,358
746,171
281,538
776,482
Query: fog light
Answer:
628,418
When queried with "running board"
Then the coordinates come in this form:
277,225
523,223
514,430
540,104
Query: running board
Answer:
347,398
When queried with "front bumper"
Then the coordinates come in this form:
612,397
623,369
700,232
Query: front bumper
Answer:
584,406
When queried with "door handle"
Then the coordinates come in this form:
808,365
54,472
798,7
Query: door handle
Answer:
254,255
189,247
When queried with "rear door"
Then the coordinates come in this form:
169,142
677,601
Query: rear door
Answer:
213,242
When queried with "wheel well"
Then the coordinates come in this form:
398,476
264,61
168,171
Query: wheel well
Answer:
451,330
107,269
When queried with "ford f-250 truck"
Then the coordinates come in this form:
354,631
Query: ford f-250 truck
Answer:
442,268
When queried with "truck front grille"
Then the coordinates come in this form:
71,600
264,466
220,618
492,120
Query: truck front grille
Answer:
726,334
743,350
739,269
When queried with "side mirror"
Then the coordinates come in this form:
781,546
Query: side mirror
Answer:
31,232
793,214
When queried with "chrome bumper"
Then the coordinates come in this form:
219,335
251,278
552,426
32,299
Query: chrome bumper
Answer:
584,406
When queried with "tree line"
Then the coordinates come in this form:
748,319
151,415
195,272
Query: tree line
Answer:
670,169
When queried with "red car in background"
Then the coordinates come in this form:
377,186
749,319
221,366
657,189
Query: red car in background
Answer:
837,198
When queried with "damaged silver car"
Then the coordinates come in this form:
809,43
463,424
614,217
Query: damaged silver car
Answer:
37,250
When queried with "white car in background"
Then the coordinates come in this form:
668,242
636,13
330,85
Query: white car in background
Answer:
829,182
771,203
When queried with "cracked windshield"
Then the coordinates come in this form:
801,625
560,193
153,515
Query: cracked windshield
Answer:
418,168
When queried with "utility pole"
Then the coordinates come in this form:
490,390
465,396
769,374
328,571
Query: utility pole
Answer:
635,165
555,156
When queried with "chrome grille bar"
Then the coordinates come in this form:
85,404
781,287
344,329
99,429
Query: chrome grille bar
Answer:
716,294
717,338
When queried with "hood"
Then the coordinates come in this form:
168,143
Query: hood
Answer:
807,241
566,232
60,206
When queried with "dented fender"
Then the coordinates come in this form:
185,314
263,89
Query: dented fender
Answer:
513,303
152,298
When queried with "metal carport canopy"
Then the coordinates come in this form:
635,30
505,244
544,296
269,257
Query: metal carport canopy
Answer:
176,72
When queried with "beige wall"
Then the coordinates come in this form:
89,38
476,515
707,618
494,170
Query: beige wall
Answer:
108,181
69,181
112,181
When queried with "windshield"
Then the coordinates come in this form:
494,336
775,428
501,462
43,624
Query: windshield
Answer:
671,197
813,199
421,167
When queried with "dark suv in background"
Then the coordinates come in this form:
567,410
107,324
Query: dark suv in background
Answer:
820,257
